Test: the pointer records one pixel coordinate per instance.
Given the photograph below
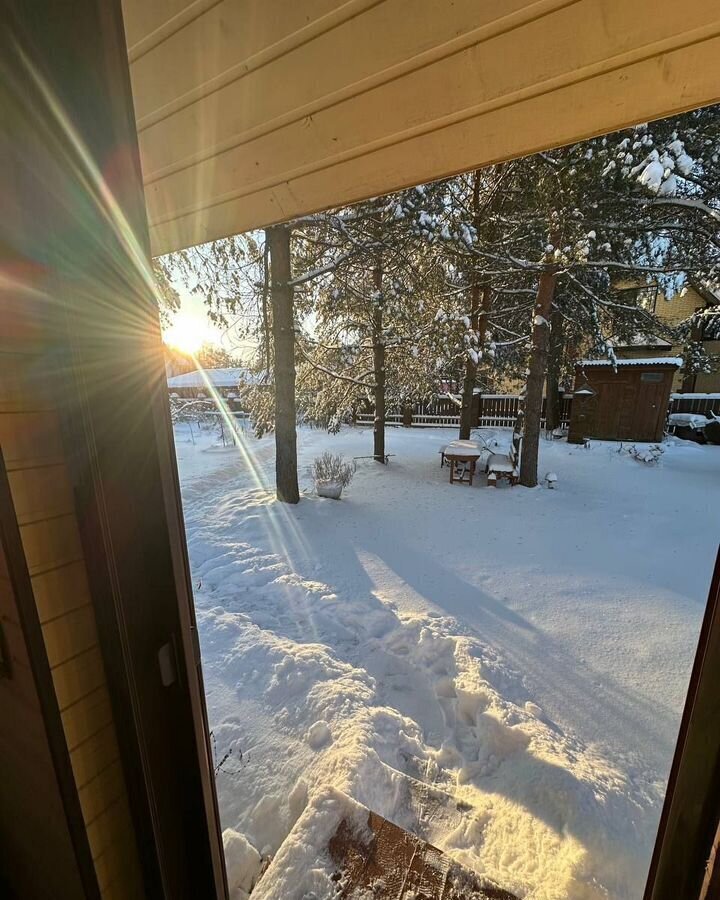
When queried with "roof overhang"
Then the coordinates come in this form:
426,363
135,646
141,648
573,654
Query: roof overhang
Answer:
251,112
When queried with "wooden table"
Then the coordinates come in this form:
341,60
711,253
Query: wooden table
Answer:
466,452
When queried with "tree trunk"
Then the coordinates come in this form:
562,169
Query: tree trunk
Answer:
378,365
479,313
283,331
265,317
478,323
470,369
536,378
552,389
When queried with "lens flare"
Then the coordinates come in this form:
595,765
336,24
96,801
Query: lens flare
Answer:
185,335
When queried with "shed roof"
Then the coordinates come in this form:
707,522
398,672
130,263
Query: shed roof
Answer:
220,378
642,340
675,361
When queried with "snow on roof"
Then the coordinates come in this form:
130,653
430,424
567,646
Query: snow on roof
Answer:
219,378
645,361
695,396
644,340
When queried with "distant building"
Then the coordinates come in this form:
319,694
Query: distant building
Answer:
202,383
623,402
673,311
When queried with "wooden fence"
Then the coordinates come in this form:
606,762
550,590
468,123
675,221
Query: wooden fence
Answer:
489,410
501,410
702,404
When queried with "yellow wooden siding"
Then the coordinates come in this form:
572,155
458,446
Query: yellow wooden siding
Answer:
30,440
60,591
78,677
43,498
251,112
44,492
39,855
51,543
680,306
710,383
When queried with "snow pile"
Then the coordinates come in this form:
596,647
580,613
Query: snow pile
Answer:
318,735
242,862
501,689
303,861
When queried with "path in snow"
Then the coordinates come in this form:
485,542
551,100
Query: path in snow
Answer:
526,652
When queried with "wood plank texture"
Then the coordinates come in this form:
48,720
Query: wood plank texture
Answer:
44,852
44,506
250,113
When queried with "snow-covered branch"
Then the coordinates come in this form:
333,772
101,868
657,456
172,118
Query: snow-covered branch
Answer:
320,270
327,371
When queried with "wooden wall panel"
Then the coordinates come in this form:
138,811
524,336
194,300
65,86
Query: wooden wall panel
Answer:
79,319
41,856
78,677
254,32
44,506
30,440
43,492
60,591
248,115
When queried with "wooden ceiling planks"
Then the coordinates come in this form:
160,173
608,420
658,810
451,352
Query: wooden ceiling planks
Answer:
251,112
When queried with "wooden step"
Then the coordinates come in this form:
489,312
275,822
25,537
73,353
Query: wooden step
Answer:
405,866
367,856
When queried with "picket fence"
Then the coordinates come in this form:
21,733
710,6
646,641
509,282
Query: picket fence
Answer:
498,410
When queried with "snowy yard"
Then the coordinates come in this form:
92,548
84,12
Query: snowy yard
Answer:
526,653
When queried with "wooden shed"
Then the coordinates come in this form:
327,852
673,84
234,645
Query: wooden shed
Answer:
625,401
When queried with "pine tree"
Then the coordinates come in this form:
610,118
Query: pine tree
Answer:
369,304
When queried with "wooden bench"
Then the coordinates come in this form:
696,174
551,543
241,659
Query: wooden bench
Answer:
505,465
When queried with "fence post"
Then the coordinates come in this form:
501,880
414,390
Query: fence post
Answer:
407,418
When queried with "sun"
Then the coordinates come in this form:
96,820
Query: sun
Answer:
185,334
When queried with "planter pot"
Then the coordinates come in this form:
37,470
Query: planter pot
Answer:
330,489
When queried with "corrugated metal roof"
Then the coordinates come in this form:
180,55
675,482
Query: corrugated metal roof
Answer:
221,378
645,361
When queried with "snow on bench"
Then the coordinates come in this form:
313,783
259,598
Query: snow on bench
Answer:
505,465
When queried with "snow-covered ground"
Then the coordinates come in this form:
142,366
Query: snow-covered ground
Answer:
524,652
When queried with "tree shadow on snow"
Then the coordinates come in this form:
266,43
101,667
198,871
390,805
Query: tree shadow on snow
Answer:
540,659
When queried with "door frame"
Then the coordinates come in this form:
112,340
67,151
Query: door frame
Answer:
88,236
684,862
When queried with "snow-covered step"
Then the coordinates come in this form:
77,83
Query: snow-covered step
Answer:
341,849
416,805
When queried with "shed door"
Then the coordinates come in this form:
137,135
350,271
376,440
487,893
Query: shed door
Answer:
608,411
650,408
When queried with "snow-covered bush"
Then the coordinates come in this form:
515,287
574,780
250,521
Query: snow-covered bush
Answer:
328,467
650,455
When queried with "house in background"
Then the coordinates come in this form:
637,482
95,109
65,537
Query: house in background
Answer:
200,383
673,311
